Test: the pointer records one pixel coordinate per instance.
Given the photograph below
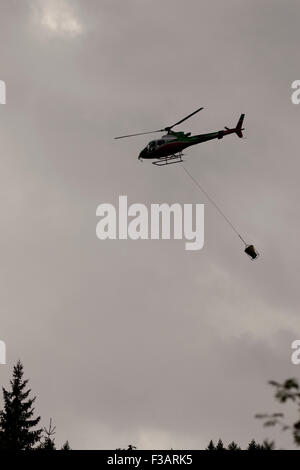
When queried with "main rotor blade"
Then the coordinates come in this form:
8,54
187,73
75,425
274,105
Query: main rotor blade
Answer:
168,128
140,133
184,119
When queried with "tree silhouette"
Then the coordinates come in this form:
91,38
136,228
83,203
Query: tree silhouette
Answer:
66,446
233,446
220,445
266,445
48,439
211,446
17,425
286,391
131,447
253,446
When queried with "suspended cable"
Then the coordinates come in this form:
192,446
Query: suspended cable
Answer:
216,206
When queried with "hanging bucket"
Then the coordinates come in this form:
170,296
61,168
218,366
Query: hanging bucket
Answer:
251,252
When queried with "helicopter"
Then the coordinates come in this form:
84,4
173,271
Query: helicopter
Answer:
169,148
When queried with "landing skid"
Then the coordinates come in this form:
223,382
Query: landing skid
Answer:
177,158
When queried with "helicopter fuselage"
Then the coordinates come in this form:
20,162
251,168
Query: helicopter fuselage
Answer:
175,142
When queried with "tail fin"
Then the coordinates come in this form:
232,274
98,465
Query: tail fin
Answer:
239,128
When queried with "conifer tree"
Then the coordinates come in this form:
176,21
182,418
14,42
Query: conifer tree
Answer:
220,445
267,445
211,446
253,445
66,446
48,438
233,446
17,424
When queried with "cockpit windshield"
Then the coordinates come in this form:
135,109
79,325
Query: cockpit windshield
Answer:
151,146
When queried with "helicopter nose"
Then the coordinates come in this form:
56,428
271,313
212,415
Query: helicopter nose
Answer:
141,155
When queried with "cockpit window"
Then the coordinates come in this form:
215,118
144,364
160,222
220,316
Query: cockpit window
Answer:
151,145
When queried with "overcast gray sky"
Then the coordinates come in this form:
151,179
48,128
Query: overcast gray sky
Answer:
143,342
